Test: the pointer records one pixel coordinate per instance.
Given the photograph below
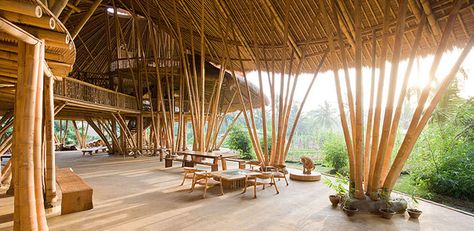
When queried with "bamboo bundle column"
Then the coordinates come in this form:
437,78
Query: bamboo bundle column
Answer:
29,208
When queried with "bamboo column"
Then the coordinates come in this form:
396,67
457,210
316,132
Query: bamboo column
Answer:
50,156
29,208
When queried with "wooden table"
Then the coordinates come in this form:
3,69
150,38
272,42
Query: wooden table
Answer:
234,178
196,158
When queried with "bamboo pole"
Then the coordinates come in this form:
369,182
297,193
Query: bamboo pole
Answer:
414,132
378,105
350,98
332,58
38,140
99,132
29,212
24,8
370,113
76,131
58,7
50,181
402,94
359,117
85,18
229,128
203,72
298,114
44,22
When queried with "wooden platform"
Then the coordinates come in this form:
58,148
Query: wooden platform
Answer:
299,176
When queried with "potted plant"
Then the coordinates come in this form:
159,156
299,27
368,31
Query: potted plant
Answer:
339,186
386,211
348,208
413,210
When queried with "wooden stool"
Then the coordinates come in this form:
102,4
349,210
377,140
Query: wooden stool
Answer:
189,173
253,180
205,178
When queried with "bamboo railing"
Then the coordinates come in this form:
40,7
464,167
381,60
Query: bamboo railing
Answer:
77,90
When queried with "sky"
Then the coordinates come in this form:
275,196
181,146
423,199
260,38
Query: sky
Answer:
324,88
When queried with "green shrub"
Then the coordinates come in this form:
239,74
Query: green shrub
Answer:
334,151
239,140
443,158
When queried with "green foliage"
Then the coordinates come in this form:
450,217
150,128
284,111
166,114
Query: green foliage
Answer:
335,153
443,158
339,184
239,140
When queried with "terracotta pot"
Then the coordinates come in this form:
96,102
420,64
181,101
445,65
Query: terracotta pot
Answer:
387,213
350,211
414,213
335,199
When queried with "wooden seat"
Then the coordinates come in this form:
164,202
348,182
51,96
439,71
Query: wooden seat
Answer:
76,193
189,173
260,179
205,178
279,172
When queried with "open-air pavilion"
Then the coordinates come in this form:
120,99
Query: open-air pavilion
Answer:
145,74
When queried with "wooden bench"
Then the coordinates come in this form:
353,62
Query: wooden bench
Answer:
95,150
76,193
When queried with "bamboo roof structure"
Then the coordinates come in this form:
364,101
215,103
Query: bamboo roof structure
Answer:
255,29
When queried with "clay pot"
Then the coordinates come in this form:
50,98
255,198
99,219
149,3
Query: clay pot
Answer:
335,199
414,213
350,211
387,213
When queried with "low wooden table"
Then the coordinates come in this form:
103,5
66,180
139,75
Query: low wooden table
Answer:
196,156
234,178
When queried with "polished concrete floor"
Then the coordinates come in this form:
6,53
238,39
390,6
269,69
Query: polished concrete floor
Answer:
140,194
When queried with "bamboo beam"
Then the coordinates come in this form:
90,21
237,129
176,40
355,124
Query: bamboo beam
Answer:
431,18
44,22
58,7
48,35
24,8
85,18
17,33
